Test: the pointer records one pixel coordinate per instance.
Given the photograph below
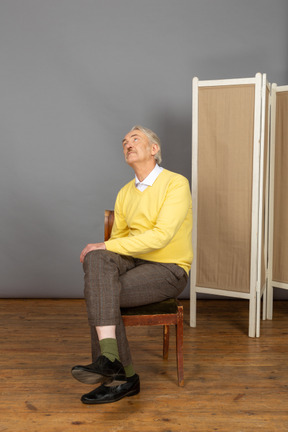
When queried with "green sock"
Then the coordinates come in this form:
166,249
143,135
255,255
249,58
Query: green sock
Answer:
109,349
129,370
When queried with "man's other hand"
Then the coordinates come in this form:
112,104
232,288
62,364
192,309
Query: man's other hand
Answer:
90,247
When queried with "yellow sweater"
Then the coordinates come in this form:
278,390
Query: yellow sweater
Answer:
156,224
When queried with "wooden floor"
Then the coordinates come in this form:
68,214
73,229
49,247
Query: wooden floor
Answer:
232,383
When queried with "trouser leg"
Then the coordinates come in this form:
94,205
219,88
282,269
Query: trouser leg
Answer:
151,282
102,286
103,270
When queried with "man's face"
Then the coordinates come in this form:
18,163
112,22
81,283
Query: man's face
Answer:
137,148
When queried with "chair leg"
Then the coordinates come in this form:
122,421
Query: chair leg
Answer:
165,341
179,349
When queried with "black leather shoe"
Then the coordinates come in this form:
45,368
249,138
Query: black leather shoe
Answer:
105,394
101,371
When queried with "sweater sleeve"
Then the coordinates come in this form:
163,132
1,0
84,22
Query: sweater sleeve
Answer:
171,215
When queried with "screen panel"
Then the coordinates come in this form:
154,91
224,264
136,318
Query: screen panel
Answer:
280,235
225,168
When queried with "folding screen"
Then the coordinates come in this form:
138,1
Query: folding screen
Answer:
229,154
278,202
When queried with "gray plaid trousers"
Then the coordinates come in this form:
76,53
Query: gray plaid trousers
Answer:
113,281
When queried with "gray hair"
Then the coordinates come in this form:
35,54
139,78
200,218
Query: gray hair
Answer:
153,139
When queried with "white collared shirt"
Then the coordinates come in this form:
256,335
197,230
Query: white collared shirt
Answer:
149,180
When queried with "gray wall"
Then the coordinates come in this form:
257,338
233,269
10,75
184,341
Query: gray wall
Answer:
75,76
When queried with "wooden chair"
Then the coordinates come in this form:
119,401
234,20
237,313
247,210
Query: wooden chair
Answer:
163,313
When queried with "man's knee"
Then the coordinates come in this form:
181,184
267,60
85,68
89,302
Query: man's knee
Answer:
92,258
100,259
95,254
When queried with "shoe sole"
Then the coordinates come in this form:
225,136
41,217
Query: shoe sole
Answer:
94,378
88,377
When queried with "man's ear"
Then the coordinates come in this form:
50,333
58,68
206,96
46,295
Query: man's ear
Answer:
154,149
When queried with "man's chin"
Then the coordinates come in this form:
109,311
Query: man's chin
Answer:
130,157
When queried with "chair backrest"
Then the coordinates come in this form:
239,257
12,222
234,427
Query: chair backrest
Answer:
108,223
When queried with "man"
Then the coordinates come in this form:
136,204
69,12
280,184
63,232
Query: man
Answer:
147,259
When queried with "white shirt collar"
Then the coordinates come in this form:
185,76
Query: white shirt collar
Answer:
149,180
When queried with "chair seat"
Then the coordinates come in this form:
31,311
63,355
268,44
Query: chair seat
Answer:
164,307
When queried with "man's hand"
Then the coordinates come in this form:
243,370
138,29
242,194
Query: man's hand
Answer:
89,248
